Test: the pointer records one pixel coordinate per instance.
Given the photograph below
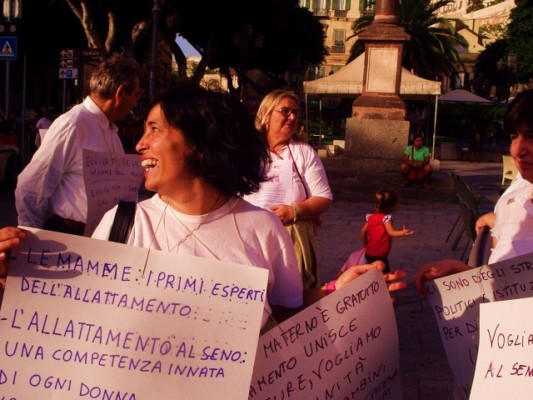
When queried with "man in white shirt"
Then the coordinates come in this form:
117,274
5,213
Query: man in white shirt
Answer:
50,191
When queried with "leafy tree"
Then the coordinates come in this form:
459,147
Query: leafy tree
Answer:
431,51
520,32
475,5
486,68
517,41
273,36
111,26
236,35
498,31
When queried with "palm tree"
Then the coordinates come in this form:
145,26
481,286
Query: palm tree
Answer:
431,51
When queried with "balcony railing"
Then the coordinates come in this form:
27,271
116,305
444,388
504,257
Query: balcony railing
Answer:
337,49
341,13
321,13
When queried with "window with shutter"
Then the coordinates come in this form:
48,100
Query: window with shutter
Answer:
338,41
340,5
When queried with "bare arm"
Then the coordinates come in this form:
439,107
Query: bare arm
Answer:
487,219
310,208
395,280
437,269
394,233
362,234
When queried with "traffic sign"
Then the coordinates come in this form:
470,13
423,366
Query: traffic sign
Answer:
68,73
68,64
65,54
8,48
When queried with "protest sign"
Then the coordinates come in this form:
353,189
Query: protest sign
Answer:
277,189
344,346
83,318
504,368
108,178
455,301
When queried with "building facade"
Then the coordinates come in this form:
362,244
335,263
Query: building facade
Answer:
338,17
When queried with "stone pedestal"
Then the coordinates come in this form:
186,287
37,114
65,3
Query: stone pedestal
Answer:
377,133
374,145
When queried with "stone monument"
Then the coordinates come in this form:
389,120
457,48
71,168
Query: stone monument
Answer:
378,131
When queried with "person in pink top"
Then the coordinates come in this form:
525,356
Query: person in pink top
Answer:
377,232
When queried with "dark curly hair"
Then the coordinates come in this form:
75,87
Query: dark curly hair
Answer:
225,148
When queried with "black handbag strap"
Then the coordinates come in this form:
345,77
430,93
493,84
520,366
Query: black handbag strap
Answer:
123,221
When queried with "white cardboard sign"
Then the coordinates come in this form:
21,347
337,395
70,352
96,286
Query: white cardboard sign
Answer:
83,318
343,347
108,179
504,369
455,301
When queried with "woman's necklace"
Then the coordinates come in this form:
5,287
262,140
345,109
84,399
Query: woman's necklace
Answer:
190,232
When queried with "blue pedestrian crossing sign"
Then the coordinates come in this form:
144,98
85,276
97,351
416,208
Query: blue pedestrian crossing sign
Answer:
8,48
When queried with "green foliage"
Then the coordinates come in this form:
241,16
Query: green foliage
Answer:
463,120
499,31
485,67
520,34
431,51
273,36
475,5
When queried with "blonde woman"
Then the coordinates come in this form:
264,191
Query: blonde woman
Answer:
297,191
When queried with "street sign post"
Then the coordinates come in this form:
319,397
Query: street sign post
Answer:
68,64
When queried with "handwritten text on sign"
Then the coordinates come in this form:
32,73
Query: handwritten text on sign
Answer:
504,369
76,323
343,347
455,300
108,179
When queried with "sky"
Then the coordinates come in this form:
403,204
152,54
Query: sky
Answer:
188,50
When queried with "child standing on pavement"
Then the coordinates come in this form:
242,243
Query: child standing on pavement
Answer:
377,232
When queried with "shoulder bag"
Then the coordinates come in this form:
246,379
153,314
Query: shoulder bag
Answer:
123,222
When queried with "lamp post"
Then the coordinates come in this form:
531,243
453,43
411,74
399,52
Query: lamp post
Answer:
156,11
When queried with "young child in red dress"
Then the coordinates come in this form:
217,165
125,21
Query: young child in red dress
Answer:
377,232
